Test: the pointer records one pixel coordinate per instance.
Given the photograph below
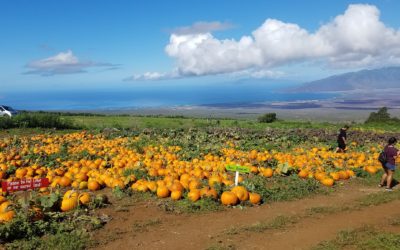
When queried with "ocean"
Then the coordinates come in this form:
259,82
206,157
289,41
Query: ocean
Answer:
149,96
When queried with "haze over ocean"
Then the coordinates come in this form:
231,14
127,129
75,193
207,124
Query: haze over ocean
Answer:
145,97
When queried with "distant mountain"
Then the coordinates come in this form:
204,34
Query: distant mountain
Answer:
363,80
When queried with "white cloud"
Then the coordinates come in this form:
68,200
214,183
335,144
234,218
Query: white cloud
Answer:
152,76
202,27
354,39
258,73
62,63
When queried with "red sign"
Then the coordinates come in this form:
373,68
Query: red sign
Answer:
24,184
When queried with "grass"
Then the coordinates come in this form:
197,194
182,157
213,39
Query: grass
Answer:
278,222
37,120
378,198
144,226
221,247
141,122
362,238
96,121
60,241
325,210
31,131
204,205
395,221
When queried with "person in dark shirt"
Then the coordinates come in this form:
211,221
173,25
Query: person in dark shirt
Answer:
390,166
341,139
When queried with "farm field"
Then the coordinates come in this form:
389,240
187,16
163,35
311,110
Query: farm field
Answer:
163,183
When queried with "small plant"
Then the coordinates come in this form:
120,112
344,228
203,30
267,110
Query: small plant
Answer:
267,118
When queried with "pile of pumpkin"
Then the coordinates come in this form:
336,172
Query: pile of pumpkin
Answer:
175,189
73,198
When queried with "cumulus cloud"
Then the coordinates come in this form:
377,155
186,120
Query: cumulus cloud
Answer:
62,63
357,38
202,27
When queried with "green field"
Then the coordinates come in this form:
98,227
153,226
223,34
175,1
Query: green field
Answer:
135,122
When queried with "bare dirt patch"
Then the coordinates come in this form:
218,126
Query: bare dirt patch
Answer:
144,225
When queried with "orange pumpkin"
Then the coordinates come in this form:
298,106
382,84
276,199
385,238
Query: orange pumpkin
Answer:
118,183
142,187
194,195
268,172
211,193
328,182
4,206
71,194
84,198
162,192
83,185
152,186
69,204
344,175
241,193
2,199
254,198
319,176
371,169
303,173
335,176
176,195
229,198
176,186
350,172
7,216
194,184
93,185
65,181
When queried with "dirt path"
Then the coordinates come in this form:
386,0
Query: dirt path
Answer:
309,232
144,226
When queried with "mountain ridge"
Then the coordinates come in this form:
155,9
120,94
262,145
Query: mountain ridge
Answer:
381,78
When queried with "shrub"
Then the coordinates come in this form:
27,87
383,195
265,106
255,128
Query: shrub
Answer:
382,116
36,120
267,118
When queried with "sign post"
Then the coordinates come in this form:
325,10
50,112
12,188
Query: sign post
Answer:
238,169
24,184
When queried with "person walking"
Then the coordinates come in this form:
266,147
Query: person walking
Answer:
389,167
341,139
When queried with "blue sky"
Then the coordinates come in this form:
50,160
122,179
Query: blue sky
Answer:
102,44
